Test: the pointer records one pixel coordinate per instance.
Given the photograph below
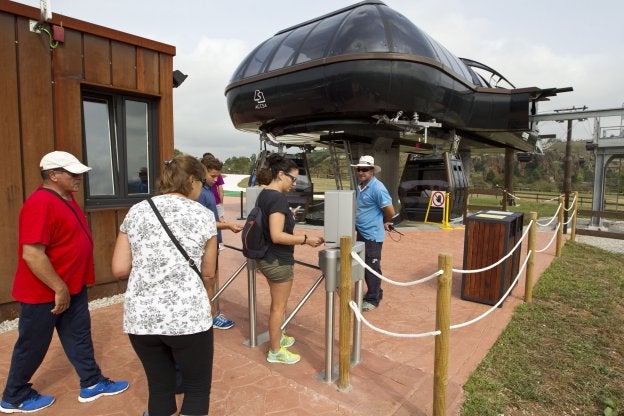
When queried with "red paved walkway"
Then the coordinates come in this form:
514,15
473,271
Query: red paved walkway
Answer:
395,376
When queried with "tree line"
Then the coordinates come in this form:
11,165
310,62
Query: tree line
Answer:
543,172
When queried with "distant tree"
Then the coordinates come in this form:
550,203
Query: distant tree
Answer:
319,162
490,177
240,164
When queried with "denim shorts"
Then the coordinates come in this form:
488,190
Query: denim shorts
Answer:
276,272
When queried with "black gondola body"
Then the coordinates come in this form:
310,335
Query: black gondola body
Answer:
424,175
366,71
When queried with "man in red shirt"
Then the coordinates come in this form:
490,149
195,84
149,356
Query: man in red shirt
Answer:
55,263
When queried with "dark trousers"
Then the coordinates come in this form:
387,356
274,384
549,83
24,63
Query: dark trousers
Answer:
372,258
159,355
35,330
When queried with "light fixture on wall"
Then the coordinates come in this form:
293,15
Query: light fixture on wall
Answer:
178,78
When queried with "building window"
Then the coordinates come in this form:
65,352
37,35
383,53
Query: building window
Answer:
120,145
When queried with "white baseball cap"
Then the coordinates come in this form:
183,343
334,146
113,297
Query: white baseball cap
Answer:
367,162
67,161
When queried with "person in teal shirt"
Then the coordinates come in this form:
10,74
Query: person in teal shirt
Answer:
373,218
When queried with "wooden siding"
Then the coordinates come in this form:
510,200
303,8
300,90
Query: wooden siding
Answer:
11,168
40,97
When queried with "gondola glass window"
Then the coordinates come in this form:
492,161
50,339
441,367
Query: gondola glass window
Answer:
119,145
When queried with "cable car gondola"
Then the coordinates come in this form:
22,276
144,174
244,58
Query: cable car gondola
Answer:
424,175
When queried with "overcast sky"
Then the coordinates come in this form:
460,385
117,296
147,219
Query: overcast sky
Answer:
545,43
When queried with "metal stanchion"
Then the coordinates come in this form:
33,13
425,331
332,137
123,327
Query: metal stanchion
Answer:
356,353
251,295
329,261
242,214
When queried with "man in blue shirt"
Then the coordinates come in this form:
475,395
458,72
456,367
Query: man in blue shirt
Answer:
372,218
206,198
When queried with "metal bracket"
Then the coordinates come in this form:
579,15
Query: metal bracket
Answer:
34,26
414,125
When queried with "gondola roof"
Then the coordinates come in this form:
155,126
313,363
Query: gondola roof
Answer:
366,71
365,27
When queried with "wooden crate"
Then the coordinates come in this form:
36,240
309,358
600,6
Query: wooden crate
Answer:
490,235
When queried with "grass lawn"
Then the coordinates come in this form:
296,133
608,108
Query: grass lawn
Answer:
564,353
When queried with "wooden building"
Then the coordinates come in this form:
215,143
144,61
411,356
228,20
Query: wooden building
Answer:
100,94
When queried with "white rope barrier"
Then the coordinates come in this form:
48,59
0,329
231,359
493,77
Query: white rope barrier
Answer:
553,199
570,219
571,204
393,282
551,240
552,219
361,318
501,300
502,259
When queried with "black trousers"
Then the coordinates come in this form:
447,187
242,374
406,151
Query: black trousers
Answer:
159,355
35,329
372,258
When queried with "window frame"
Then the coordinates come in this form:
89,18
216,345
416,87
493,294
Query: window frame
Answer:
115,101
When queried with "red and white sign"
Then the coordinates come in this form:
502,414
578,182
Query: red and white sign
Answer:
437,199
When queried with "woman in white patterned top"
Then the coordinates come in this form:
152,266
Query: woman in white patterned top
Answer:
167,311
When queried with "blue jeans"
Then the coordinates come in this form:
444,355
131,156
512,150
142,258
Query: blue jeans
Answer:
372,258
35,330
159,355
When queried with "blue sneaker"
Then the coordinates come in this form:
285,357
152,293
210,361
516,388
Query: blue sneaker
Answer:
105,387
221,322
33,403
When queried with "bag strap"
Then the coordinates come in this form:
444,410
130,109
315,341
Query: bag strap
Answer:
173,239
53,192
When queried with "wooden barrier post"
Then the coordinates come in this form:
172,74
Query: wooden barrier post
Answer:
344,355
560,229
443,324
574,213
528,284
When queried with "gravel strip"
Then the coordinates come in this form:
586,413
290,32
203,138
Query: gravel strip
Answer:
94,304
609,244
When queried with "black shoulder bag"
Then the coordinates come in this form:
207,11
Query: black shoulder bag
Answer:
175,240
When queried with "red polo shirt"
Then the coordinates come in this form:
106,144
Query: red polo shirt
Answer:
45,219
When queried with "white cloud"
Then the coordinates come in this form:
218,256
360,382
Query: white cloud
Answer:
201,119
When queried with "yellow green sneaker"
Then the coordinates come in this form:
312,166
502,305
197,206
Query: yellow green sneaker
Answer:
286,341
283,356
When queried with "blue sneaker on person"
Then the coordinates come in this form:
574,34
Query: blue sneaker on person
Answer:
105,387
221,322
34,402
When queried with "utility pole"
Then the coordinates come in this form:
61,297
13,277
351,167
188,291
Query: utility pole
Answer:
567,167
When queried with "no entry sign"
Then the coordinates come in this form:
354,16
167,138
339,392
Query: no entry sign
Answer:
437,199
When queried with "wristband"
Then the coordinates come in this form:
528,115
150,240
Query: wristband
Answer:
305,238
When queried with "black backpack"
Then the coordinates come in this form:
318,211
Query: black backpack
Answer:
254,238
